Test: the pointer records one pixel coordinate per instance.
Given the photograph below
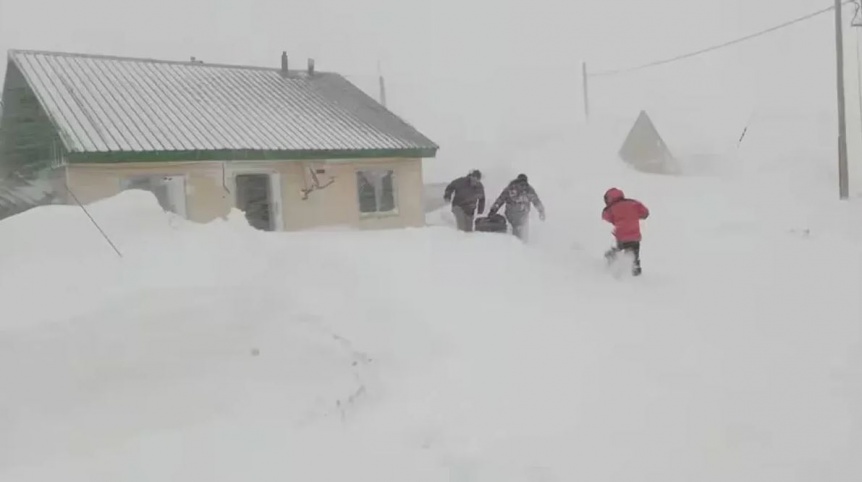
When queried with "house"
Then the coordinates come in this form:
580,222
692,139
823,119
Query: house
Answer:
293,149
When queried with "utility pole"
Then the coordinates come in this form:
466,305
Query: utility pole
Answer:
381,84
843,181
586,91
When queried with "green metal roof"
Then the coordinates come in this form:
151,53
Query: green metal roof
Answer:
113,109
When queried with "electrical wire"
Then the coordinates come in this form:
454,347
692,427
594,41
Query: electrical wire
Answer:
719,46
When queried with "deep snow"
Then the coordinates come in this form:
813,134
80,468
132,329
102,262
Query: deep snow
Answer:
219,353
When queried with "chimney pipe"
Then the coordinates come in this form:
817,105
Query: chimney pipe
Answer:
284,64
310,66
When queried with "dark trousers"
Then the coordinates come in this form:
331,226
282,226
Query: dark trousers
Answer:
520,226
632,247
464,218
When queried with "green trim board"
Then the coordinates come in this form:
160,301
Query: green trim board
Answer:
243,155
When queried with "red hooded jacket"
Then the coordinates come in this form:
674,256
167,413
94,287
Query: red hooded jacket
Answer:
625,214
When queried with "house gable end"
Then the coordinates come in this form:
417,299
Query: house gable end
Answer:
29,139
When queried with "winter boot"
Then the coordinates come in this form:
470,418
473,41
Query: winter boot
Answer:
611,255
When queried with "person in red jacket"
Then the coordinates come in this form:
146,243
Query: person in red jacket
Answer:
625,214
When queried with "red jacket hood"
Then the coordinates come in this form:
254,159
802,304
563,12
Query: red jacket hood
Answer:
613,194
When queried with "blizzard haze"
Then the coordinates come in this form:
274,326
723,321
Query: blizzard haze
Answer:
488,80
215,352
219,353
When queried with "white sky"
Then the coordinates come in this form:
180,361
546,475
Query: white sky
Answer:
479,75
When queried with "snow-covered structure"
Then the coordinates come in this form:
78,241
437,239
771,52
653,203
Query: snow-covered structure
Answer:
291,148
645,149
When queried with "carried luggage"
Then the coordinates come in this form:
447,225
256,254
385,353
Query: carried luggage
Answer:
494,223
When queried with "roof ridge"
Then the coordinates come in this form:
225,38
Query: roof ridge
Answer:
149,60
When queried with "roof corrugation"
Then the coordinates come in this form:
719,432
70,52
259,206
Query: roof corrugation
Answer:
113,104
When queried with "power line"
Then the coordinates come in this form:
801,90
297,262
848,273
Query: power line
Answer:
719,46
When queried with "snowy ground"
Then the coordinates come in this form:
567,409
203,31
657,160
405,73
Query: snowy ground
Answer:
219,353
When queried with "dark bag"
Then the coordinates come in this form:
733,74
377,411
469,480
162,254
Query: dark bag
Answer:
494,223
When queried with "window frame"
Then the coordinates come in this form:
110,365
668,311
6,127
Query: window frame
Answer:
395,211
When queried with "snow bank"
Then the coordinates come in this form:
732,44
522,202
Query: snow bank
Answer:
217,352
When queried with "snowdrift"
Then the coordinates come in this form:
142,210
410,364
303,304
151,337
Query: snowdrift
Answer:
220,353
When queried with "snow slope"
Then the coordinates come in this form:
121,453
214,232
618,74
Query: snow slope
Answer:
219,353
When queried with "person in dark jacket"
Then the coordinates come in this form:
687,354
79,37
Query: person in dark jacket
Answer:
625,214
467,195
519,196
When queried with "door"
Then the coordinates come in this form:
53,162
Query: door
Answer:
170,191
254,197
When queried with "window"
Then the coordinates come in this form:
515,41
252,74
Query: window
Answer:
376,190
170,191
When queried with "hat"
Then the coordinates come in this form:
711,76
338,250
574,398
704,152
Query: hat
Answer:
521,178
476,173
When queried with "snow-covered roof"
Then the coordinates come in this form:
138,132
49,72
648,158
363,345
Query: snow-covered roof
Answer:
116,105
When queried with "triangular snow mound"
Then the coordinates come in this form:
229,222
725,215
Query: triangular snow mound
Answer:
645,150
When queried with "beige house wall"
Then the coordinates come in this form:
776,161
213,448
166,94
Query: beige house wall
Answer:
209,187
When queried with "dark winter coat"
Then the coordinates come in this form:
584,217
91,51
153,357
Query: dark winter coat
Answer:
466,192
518,197
625,214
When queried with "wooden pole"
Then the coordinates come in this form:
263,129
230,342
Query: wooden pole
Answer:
586,92
382,85
843,181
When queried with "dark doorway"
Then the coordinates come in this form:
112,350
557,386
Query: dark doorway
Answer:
254,198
